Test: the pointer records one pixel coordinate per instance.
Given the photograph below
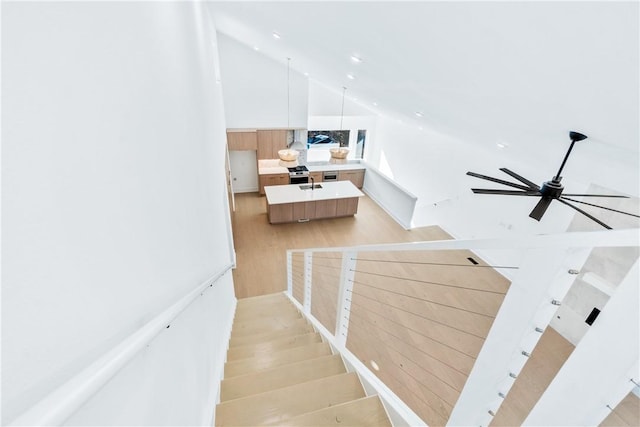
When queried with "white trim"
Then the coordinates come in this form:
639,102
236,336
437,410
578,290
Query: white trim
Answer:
62,403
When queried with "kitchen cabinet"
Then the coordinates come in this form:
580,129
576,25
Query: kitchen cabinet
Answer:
270,142
346,207
280,213
240,141
304,210
356,176
317,176
326,208
272,179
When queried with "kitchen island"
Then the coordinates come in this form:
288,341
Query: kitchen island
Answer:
298,202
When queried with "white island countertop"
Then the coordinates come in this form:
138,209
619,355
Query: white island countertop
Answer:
279,194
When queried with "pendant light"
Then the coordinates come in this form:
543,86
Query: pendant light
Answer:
344,89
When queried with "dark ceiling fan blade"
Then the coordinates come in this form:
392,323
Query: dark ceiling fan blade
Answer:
598,206
505,192
539,210
591,217
499,181
520,178
596,195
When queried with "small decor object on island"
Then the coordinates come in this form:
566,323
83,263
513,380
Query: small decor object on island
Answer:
339,153
288,155
549,190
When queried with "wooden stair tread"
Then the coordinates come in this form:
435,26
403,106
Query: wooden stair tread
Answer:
365,412
283,343
253,313
261,299
266,324
298,329
277,405
282,376
245,366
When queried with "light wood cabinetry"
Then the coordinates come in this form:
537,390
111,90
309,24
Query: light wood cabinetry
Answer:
270,142
280,213
304,210
326,208
272,179
346,207
356,176
242,140
317,177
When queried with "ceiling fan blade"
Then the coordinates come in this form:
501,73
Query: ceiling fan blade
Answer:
505,192
596,195
539,210
598,206
520,178
591,217
499,181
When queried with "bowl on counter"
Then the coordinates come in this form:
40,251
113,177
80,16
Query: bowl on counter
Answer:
288,155
339,153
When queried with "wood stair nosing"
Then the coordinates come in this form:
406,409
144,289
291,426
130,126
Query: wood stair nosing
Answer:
279,358
264,325
281,376
287,402
260,349
363,412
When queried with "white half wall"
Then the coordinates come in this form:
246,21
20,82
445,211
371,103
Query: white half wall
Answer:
114,198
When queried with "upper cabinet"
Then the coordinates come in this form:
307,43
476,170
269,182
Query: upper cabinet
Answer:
270,142
246,140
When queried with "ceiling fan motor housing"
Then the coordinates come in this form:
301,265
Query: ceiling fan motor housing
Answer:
551,189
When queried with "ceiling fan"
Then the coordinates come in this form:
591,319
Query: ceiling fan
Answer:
549,191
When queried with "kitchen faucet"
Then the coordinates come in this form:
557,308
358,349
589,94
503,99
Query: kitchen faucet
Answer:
313,182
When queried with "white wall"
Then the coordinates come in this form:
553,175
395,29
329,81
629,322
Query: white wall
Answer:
255,89
114,199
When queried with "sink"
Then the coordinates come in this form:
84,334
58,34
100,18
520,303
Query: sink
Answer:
310,187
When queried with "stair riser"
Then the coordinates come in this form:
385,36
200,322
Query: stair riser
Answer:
246,366
270,336
284,376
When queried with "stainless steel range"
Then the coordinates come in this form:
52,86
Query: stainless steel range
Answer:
298,175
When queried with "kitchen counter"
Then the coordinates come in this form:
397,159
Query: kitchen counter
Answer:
289,203
277,166
278,194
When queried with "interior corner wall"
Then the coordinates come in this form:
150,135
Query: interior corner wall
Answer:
255,89
114,202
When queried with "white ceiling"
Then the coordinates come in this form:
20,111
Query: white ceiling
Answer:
513,72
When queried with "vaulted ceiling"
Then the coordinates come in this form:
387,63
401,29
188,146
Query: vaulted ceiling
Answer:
491,72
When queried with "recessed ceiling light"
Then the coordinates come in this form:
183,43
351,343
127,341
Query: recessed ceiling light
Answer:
351,77
256,48
420,128
501,145
419,114
356,59
306,74
355,99
375,104
275,35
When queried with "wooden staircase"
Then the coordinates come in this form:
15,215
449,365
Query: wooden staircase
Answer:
280,372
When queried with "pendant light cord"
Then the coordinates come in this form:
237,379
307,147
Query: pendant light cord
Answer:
344,89
288,90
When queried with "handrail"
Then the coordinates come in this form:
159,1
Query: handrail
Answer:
63,402
605,238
